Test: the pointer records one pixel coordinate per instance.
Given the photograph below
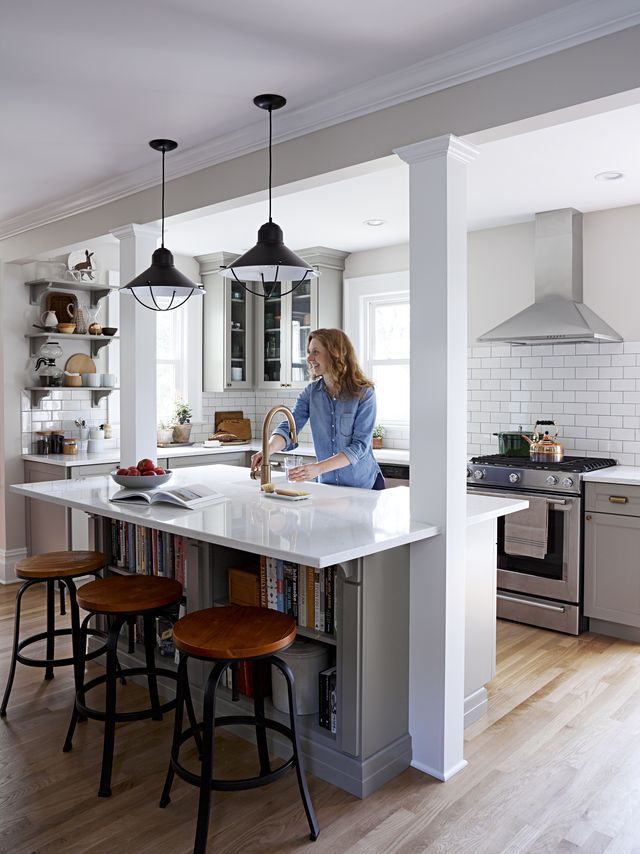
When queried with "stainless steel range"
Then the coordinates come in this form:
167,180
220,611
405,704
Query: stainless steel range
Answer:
540,561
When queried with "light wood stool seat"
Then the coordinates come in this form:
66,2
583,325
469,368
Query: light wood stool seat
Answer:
51,568
120,598
225,636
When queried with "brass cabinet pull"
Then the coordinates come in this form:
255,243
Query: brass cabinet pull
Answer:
618,499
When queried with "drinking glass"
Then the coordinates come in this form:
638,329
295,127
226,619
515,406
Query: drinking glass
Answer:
291,462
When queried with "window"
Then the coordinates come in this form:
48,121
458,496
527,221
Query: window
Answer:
376,314
179,360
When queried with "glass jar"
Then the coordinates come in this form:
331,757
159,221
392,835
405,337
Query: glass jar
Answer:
43,442
56,443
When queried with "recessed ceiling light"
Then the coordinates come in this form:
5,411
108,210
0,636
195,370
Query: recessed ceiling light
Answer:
374,222
608,176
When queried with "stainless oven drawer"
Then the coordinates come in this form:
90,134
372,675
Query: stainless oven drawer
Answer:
559,616
618,499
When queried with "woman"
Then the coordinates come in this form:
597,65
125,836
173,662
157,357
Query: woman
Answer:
340,403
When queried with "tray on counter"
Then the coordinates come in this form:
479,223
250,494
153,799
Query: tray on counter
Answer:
174,444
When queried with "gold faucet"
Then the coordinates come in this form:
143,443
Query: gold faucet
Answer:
265,472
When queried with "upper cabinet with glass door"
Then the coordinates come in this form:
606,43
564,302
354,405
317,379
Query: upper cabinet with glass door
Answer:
286,318
227,349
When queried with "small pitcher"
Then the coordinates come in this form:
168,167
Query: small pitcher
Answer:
50,319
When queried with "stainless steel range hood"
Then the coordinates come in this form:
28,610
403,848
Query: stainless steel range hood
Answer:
558,313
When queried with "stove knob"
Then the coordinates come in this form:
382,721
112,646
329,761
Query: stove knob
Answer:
468,472
514,478
478,474
567,482
552,480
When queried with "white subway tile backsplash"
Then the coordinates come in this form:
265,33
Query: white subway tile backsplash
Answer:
591,391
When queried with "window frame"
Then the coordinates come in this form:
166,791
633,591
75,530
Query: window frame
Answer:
188,320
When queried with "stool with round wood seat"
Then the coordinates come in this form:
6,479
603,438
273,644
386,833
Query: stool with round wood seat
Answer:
52,568
120,598
225,636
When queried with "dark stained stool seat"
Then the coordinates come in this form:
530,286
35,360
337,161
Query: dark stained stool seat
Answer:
119,598
224,636
52,568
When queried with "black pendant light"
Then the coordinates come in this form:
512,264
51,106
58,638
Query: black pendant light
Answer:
269,262
161,287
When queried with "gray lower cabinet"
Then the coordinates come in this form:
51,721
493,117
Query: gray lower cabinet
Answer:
241,458
48,525
612,554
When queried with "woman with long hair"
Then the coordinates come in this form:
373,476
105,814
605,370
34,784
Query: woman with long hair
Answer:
340,404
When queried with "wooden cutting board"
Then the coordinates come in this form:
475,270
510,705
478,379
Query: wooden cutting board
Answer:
80,363
223,416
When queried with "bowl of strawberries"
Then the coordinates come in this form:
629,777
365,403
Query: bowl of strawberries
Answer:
145,475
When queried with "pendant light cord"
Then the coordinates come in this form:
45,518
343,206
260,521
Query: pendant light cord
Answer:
162,239
270,157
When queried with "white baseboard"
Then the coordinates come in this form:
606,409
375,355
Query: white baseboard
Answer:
8,559
438,774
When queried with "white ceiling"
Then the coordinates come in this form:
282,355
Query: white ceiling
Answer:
85,85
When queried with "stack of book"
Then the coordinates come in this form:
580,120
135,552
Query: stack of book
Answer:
302,592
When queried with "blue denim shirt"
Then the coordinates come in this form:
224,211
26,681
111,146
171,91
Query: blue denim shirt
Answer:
338,424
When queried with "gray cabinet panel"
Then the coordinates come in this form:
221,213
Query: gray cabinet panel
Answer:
47,524
620,499
612,568
239,459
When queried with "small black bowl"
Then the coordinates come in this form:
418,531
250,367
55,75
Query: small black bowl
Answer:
109,330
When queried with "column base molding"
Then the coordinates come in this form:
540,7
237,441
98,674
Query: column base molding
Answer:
8,559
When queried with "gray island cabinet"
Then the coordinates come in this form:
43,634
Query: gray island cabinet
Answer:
364,535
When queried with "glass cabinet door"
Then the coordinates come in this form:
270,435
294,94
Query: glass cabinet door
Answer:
240,323
300,328
272,337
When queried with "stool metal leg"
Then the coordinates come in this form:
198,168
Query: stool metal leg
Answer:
206,772
150,660
110,710
297,754
16,641
183,679
259,679
63,610
79,695
51,625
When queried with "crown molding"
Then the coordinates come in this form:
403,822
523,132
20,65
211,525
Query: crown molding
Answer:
576,24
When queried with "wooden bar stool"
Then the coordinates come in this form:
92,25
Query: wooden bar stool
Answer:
119,598
225,636
52,568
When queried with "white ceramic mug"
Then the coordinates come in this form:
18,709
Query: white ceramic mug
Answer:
109,380
236,374
91,380
96,433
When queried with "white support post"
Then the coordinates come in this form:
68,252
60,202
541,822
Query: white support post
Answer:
137,349
438,288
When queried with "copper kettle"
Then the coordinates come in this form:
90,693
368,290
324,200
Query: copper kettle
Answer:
544,448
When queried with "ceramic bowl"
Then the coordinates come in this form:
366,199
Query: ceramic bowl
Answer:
142,481
66,328
109,330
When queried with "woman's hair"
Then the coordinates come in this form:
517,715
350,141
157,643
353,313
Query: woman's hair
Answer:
344,363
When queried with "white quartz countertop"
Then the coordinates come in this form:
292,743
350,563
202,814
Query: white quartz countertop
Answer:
334,525
384,455
615,474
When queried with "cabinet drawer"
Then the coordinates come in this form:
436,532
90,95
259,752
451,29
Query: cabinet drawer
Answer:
619,499
239,459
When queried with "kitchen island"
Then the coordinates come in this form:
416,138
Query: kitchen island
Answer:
365,535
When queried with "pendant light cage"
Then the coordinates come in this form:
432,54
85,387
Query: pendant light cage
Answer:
161,287
269,262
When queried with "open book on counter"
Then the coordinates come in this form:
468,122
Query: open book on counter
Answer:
190,497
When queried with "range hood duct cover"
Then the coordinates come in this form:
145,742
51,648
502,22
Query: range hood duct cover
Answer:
558,313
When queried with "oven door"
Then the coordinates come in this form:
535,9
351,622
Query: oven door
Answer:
557,575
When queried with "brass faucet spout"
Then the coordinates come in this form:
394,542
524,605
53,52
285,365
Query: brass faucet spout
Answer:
265,473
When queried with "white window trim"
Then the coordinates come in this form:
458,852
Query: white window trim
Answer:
359,294
189,362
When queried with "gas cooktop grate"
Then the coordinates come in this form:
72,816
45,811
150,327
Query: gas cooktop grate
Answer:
573,464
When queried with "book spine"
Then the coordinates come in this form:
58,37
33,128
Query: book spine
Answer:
328,614
311,597
280,603
302,596
333,704
154,551
321,699
272,585
131,543
316,599
294,591
263,581
160,553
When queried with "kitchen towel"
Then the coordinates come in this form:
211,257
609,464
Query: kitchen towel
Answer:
526,532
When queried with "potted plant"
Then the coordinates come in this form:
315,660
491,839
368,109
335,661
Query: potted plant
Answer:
182,419
378,434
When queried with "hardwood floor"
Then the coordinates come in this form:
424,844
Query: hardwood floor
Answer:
555,767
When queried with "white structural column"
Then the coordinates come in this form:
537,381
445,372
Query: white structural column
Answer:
138,436
438,288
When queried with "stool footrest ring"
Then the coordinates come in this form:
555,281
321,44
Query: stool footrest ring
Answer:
247,782
54,662
120,717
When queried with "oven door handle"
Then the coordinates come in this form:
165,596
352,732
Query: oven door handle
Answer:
562,501
559,608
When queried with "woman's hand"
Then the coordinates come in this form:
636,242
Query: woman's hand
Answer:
309,471
256,461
